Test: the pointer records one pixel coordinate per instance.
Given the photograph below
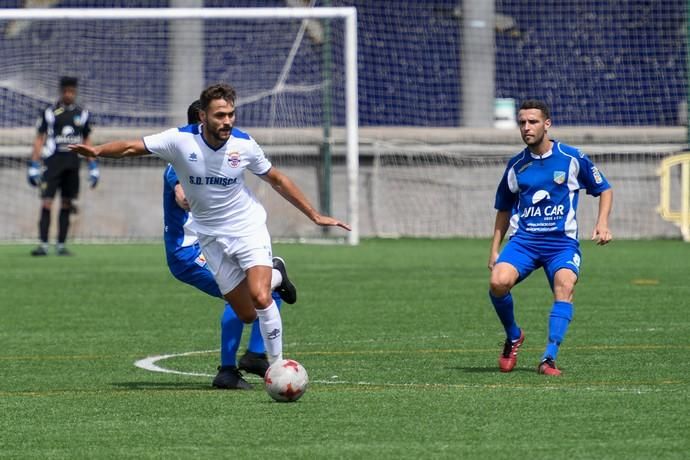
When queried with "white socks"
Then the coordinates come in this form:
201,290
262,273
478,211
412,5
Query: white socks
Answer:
276,279
271,326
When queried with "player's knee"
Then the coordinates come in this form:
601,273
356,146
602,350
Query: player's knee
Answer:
262,299
500,285
247,317
564,291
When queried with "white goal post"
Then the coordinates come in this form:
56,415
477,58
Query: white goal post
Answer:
347,14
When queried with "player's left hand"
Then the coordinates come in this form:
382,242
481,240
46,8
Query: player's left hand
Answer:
94,173
602,235
326,221
180,198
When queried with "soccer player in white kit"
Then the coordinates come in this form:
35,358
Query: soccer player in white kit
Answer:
210,160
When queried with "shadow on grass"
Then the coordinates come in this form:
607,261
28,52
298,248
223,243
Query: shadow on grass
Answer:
164,386
490,370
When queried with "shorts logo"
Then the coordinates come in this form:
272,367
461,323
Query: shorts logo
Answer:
559,177
234,159
192,157
597,175
200,261
575,261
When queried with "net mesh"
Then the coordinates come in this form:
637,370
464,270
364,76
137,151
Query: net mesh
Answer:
614,73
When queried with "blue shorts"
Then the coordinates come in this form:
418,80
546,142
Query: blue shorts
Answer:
527,256
189,266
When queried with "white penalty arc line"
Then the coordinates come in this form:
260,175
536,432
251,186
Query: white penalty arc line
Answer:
149,363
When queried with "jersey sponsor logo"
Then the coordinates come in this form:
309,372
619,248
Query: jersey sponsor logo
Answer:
559,177
212,180
67,136
597,175
546,211
540,195
234,159
192,157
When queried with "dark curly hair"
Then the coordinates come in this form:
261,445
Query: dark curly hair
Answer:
217,91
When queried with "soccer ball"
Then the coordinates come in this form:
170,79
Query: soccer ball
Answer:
286,380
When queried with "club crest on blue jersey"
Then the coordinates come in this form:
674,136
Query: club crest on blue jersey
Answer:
192,157
559,177
234,159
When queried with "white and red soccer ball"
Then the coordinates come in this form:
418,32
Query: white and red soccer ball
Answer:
286,380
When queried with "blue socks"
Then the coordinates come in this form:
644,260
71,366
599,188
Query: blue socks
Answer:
230,335
559,320
256,342
504,310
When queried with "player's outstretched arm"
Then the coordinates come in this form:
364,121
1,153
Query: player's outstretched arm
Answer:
602,235
288,190
116,149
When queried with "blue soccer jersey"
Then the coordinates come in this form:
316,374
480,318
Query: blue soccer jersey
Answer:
541,192
176,233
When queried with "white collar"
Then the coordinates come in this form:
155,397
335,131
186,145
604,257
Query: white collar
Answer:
541,157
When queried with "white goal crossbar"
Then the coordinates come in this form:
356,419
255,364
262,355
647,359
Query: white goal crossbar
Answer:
348,14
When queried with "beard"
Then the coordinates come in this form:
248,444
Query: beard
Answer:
534,140
221,134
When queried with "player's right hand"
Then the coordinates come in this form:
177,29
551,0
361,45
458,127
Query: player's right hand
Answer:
83,149
34,173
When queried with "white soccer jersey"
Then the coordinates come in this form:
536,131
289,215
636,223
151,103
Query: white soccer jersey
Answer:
213,180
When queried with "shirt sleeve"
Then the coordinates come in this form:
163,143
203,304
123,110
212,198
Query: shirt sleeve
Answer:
171,176
505,199
592,180
259,163
162,144
86,127
42,123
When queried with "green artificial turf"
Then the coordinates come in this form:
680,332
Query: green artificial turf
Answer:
399,339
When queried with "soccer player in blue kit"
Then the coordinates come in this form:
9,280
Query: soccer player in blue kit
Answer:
187,264
537,200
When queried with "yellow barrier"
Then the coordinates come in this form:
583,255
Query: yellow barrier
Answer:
680,217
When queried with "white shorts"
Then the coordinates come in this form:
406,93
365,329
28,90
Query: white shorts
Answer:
229,258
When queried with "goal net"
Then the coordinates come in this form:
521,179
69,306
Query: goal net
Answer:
294,70
433,91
